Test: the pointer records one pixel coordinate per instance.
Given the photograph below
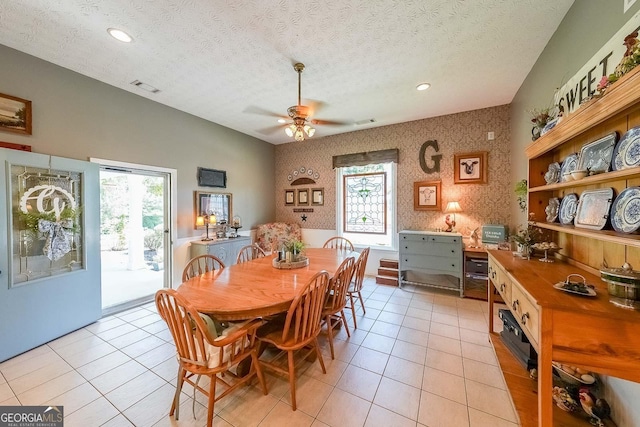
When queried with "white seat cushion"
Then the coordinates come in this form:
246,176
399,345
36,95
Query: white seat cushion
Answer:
213,352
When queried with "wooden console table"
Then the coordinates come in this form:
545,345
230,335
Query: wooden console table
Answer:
588,332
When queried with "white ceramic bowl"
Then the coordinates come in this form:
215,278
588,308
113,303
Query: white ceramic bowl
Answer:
578,174
567,176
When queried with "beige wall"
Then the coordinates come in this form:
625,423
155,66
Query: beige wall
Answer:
456,133
78,117
586,28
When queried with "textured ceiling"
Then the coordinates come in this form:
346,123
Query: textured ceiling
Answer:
227,61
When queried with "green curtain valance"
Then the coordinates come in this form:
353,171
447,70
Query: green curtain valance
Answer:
366,158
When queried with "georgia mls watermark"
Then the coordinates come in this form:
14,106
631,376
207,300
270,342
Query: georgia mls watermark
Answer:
31,416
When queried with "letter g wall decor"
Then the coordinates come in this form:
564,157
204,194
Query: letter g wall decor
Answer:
435,158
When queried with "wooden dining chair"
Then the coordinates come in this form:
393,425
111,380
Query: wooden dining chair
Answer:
201,353
298,329
200,265
333,311
249,252
355,287
338,243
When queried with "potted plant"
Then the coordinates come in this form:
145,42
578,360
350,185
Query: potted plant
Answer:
521,191
295,247
525,238
540,118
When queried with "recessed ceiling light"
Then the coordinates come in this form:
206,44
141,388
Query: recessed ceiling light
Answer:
282,121
119,35
423,86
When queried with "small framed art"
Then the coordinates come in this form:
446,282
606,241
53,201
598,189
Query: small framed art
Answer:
317,196
303,197
470,168
426,196
289,197
15,114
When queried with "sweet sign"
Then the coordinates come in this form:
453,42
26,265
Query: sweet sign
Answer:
583,84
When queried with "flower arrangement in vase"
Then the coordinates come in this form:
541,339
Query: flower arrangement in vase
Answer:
525,238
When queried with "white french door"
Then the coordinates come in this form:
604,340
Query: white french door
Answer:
135,229
49,248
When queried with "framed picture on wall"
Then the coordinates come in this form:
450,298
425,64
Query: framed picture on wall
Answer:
470,168
15,114
303,197
289,197
426,196
317,196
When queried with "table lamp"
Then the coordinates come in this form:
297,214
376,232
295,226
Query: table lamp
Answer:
452,208
205,220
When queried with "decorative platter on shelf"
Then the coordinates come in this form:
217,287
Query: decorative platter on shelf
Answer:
593,208
553,174
568,165
568,208
596,156
627,153
625,212
552,209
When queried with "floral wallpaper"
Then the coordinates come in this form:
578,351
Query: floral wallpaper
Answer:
455,133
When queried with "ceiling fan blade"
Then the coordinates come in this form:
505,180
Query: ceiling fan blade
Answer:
271,129
261,111
329,122
314,106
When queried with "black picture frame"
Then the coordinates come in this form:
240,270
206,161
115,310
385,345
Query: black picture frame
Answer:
212,178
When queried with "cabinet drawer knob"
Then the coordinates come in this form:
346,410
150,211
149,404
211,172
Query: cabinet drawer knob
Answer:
502,287
515,305
524,318
452,251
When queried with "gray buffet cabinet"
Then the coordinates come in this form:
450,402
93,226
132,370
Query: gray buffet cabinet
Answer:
226,249
430,258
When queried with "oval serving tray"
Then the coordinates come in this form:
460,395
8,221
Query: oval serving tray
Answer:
625,211
596,156
590,291
593,208
568,208
627,152
283,265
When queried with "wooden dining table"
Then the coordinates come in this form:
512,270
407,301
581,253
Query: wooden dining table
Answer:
256,288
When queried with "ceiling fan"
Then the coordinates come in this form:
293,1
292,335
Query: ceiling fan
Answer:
300,115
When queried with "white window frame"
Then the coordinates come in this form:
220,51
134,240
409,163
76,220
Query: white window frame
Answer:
359,239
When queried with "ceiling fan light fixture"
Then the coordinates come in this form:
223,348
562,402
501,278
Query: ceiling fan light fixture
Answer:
309,131
289,130
423,86
299,134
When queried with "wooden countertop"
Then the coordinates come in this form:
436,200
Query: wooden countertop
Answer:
539,277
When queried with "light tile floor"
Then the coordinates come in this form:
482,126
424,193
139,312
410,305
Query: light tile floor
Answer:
418,358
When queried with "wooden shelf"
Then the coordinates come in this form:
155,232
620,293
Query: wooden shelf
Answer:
603,235
524,391
619,96
590,180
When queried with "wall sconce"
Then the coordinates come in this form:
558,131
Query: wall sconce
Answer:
206,220
452,208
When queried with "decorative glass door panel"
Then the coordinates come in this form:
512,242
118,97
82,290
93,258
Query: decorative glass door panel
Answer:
49,248
46,229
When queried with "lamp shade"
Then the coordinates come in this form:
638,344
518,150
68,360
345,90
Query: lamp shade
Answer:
200,221
453,207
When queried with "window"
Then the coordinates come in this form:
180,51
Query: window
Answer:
366,204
